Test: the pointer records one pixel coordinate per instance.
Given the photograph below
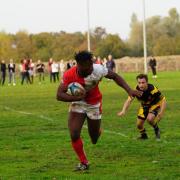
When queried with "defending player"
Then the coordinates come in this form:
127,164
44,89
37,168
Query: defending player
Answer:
152,107
87,106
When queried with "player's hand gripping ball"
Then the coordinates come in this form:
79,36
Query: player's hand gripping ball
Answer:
75,89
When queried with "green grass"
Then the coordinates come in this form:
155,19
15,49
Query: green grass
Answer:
37,145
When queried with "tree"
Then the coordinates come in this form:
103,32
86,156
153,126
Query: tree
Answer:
159,30
177,44
164,46
7,50
112,44
99,33
153,31
66,44
171,23
134,20
23,45
42,44
135,41
174,16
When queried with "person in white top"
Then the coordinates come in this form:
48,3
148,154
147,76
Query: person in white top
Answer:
104,61
62,67
11,70
55,71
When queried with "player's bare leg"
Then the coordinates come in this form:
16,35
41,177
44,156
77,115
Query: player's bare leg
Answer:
140,126
94,129
75,123
151,118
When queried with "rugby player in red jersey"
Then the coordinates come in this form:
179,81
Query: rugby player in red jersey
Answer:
88,105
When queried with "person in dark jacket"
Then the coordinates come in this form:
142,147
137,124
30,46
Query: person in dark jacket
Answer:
3,72
40,68
152,64
110,64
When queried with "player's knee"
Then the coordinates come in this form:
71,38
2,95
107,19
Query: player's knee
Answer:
150,120
140,123
75,135
139,126
94,140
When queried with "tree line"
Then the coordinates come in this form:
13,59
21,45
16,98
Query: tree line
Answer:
163,38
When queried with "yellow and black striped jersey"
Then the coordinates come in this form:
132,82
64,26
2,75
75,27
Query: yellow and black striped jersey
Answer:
151,96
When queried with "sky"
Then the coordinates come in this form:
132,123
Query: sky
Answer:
36,16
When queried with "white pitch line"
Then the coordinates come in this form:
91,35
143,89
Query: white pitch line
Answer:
46,118
117,133
50,119
20,112
28,113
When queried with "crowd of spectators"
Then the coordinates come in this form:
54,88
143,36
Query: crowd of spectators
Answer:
27,70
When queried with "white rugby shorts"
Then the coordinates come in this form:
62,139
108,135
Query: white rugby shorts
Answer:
93,112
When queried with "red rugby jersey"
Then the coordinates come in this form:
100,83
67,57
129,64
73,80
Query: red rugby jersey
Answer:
90,83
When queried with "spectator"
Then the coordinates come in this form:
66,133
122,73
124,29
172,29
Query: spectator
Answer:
11,71
21,69
62,67
25,72
110,64
3,72
31,70
55,71
40,71
152,64
98,60
94,59
73,63
50,69
104,62
69,64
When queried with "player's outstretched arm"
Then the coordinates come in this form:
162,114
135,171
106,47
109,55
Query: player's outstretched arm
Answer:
63,96
162,109
121,82
125,106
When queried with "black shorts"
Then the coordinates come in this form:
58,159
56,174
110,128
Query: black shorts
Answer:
144,111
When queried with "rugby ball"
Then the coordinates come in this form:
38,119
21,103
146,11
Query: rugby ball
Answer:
75,89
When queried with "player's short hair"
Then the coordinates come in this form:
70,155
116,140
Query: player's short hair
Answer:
83,57
142,76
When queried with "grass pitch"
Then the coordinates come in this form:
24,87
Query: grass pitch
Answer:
35,143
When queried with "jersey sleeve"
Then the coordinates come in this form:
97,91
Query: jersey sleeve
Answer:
102,70
66,79
156,93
